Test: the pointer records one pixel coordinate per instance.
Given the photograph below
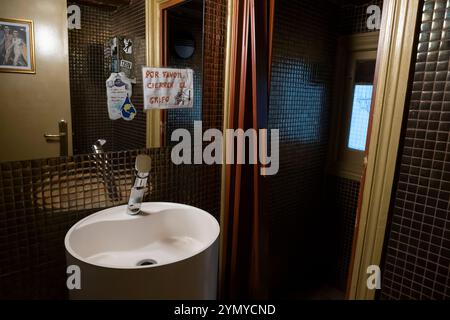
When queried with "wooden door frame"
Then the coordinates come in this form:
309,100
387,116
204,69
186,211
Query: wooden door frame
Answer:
395,50
361,43
156,48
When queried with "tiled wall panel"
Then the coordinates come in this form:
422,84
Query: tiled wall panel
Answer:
354,16
341,194
304,44
41,199
214,41
130,21
88,72
417,258
340,204
89,69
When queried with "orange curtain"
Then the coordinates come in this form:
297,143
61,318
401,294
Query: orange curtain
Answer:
244,242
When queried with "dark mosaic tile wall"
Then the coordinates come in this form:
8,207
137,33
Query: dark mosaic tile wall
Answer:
302,72
353,17
214,41
130,21
41,199
340,206
89,70
417,257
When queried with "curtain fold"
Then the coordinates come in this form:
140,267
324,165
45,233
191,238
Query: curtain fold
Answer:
244,227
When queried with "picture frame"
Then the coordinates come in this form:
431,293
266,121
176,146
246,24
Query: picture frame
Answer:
17,46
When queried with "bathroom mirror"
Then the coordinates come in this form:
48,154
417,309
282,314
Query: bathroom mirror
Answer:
66,111
182,47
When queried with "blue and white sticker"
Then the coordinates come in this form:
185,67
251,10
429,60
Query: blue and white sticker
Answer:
128,111
118,89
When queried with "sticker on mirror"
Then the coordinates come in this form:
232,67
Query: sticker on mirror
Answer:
118,92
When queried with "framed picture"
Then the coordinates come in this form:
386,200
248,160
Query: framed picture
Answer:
17,46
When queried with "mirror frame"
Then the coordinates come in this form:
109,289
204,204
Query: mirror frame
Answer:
156,38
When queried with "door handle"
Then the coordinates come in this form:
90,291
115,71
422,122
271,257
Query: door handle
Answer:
366,161
62,137
49,136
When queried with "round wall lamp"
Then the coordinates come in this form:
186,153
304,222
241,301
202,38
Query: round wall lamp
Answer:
184,46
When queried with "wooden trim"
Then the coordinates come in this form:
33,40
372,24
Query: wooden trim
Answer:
105,3
362,41
154,39
153,42
163,58
363,177
163,37
166,4
348,46
349,160
395,55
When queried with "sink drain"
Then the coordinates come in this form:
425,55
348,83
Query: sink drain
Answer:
146,262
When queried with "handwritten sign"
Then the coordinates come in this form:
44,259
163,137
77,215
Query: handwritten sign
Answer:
166,88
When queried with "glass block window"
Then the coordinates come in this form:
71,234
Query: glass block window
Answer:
359,122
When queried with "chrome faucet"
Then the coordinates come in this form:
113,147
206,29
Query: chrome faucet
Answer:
97,147
105,170
143,165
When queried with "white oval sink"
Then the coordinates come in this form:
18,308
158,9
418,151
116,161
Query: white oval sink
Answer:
169,251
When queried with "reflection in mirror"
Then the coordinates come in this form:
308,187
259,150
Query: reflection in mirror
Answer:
183,48
106,52
111,41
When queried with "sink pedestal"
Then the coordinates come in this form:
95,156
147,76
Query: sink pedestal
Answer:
170,251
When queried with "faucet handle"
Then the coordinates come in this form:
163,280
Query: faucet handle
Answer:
143,163
100,142
97,147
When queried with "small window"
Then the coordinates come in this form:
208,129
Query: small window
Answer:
354,88
359,122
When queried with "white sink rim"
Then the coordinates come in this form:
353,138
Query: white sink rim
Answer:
80,223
